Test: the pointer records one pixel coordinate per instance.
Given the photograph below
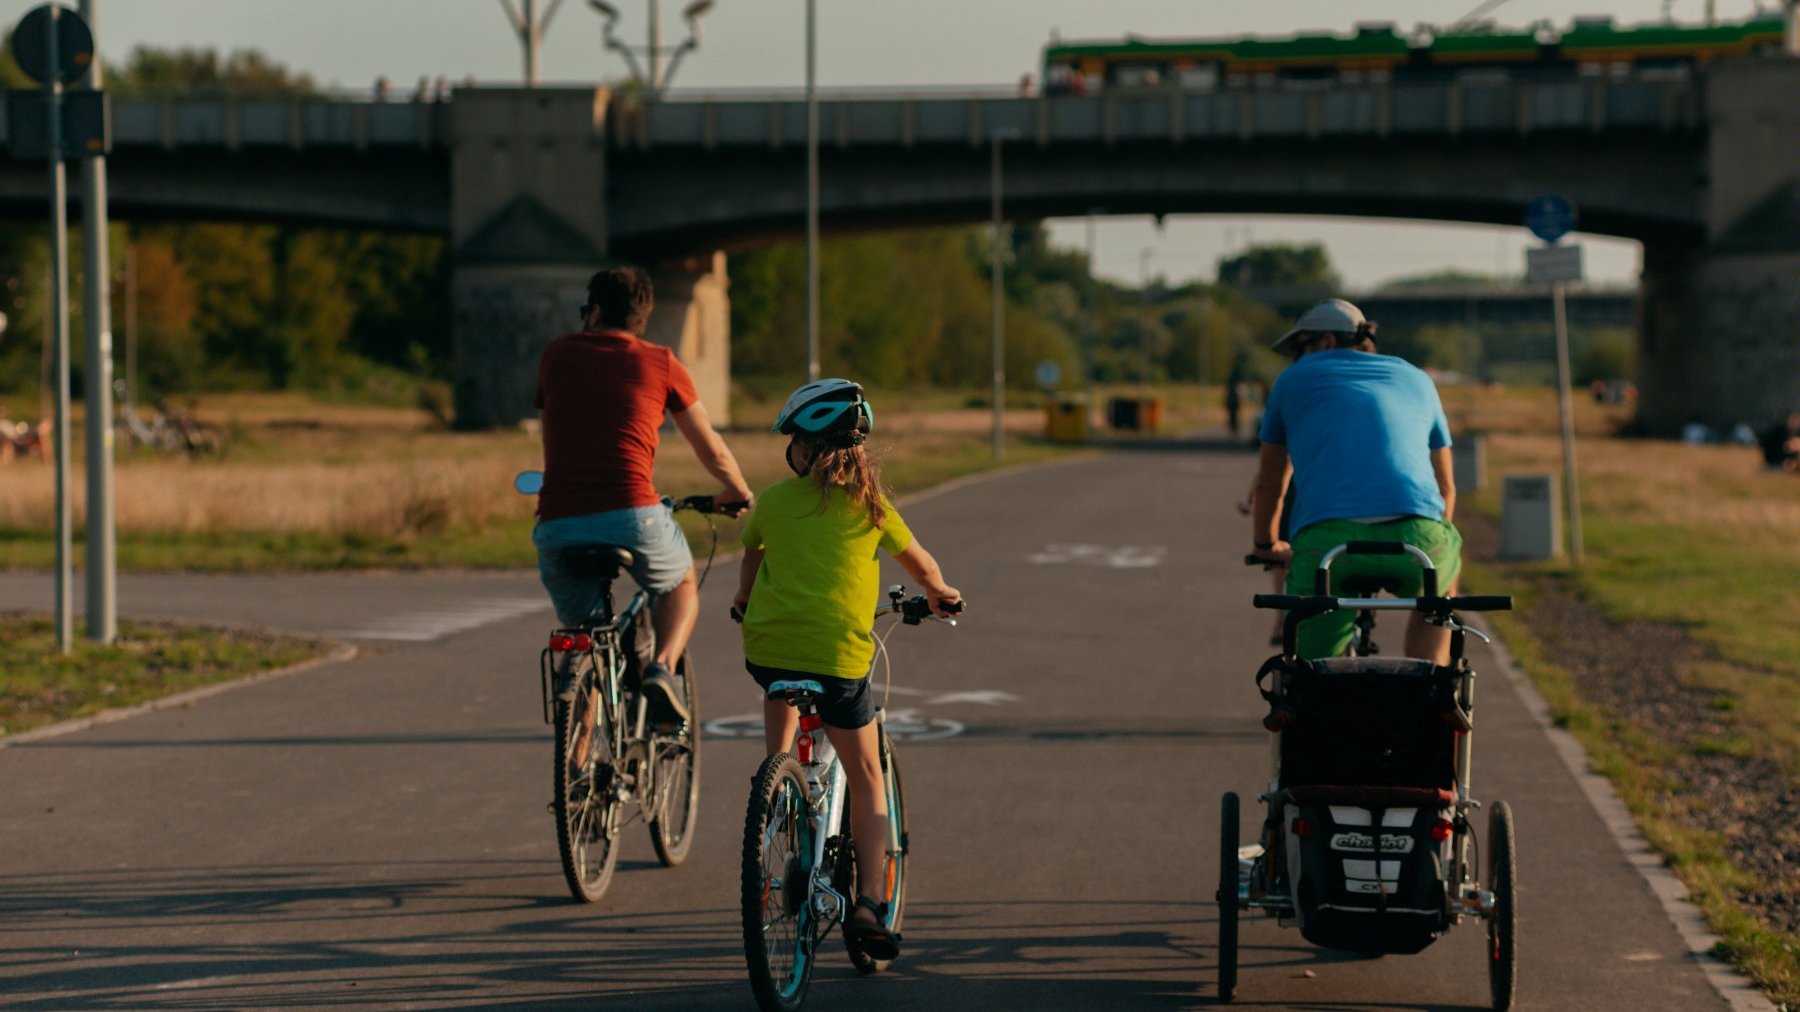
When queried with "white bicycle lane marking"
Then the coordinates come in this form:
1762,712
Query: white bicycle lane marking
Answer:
435,624
1113,556
907,724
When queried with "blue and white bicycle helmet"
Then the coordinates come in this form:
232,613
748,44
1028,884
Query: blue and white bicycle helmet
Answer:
833,409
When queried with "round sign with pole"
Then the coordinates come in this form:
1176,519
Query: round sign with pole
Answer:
1049,374
74,45
1550,217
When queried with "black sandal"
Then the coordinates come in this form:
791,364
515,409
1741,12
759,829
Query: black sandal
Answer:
875,941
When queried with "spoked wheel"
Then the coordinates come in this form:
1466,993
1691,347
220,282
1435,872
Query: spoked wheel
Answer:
678,778
893,888
586,812
1228,896
1503,952
778,921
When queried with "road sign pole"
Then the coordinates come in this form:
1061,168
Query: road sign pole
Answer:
102,571
59,315
999,307
1566,402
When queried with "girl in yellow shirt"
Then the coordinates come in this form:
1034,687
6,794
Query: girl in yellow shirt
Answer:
807,593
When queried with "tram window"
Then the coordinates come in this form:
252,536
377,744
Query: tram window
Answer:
1201,78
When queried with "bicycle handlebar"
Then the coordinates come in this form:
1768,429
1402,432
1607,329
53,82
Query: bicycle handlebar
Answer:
707,504
1315,603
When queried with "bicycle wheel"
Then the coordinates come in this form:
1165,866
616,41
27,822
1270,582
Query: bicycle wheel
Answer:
778,921
893,890
1503,953
586,813
678,778
1228,896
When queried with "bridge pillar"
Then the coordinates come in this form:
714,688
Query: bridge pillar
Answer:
527,225
1719,321
693,316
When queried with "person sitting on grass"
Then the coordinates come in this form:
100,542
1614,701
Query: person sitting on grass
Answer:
1781,444
807,594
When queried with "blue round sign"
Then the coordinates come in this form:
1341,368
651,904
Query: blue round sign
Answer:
1550,217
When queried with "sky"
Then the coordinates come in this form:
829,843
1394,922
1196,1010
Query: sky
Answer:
759,44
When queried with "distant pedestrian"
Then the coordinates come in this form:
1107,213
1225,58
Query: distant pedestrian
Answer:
1234,405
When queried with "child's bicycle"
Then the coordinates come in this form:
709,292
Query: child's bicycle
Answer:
799,876
1368,842
613,764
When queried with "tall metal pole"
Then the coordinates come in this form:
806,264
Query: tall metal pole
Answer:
1793,27
812,195
532,38
999,325
131,325
655,47
1088,328
1144,324
1566,402
102,536
59,314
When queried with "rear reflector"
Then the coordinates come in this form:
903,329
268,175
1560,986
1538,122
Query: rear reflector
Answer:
811,722
1302,828
1441,830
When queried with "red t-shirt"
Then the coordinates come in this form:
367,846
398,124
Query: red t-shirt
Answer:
602,395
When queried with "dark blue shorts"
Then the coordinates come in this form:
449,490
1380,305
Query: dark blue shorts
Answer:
847,704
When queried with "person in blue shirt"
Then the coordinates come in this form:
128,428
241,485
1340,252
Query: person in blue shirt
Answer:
1369,448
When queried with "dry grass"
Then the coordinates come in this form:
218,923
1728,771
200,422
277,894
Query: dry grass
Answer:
295,466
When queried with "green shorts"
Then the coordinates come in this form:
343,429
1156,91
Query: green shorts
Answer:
1328,635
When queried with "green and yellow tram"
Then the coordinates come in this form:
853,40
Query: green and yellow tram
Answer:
1378,52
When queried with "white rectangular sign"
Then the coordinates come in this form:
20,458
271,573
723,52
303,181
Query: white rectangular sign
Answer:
1552,263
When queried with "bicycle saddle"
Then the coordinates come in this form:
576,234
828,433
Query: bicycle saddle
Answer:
595,561
795,690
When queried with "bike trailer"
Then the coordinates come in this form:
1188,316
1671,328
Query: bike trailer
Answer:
1368,769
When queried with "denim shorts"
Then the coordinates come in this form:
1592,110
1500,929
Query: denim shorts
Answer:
650,532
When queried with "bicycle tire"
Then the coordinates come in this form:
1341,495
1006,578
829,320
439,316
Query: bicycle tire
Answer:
1228,896
894,889
780,962
1503,952
678,780
582,809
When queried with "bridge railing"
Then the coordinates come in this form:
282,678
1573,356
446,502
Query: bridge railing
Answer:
1167,115
245,122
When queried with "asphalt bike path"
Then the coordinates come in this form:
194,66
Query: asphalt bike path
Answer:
373,833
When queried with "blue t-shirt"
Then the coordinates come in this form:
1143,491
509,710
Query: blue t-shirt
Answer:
1360,428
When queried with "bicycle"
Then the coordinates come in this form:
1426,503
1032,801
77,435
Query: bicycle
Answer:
610,758
1369,843
799,871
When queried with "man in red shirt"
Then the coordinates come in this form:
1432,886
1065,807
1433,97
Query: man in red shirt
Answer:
602,392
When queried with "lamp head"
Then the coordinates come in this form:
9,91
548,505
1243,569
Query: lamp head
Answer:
606,10
695,9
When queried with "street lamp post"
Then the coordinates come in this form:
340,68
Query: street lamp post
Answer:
1144,256
996,256
657,79
812,193
1088,328
102,571
530,29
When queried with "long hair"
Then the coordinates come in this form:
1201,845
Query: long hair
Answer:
851,468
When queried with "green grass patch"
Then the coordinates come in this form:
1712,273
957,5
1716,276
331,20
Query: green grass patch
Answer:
41,685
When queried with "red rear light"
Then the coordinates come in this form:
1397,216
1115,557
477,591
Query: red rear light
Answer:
561,641
811,722
1302,828
581,641
803,749
1442,829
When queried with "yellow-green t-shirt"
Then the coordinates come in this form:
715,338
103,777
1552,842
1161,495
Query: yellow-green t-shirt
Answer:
815,596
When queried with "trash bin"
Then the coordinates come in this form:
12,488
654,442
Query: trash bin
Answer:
1151,413
1066,420
1122,413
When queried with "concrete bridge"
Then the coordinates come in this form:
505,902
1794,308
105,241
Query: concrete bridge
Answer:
534,187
